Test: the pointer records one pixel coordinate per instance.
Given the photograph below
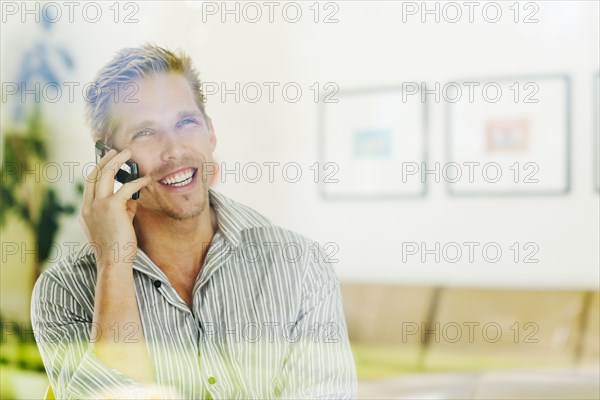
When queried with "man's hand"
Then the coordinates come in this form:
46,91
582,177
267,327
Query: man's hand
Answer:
107,220
107,217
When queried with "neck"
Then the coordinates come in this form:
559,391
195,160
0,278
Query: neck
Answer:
178,247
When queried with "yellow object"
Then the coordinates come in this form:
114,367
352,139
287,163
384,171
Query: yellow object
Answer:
49,394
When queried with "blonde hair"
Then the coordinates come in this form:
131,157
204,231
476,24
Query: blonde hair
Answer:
128,65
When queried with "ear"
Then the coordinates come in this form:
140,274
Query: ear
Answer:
211,130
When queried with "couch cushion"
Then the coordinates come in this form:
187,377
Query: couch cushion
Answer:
377,315
490,328
590,343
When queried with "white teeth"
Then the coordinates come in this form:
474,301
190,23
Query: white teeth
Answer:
182,183
180,179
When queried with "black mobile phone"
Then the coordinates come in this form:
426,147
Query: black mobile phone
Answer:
128,171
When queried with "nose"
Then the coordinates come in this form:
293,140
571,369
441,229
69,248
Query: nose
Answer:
171,146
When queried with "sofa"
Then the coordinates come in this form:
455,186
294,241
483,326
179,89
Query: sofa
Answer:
473,343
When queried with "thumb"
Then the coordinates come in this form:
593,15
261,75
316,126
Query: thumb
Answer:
131,206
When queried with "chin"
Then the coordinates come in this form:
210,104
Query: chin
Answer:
184,213
180,209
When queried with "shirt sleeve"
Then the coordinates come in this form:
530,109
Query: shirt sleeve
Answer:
320,362
62,332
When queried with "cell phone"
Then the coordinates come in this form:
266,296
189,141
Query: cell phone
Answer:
128,171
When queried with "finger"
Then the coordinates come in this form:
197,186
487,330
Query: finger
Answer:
93,176
107,157
105,184
129,188
89,189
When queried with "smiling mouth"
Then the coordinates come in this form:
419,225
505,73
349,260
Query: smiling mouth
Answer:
180,178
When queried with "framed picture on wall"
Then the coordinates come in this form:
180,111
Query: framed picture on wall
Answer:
508,136
375,140
597,131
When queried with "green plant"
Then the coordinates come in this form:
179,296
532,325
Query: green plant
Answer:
31,200
18,346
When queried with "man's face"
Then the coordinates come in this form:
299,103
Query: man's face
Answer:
170,140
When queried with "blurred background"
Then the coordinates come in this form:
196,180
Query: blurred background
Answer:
445,154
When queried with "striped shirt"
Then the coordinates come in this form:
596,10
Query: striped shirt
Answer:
266,320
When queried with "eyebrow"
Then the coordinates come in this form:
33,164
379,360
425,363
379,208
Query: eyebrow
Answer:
183,114
149,122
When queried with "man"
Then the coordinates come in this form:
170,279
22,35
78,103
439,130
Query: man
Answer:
182,293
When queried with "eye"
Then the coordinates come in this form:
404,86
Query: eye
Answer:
142,133
187,121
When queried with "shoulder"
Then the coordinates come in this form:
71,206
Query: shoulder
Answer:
254,225
74,275
306,259
277,236
238,215
304,266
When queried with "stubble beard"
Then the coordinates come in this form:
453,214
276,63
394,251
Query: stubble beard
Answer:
188,210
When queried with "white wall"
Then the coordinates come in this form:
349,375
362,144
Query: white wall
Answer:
370,46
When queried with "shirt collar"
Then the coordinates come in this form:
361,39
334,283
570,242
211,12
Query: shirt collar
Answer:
233,219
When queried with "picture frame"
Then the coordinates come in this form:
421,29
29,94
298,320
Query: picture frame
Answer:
520,144
596,134
375,138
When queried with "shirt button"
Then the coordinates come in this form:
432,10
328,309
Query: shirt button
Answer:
157,284
212,380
